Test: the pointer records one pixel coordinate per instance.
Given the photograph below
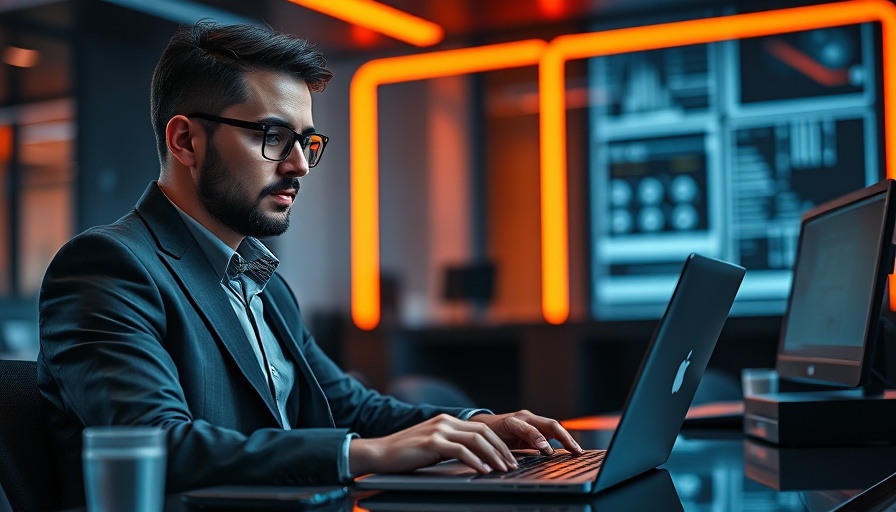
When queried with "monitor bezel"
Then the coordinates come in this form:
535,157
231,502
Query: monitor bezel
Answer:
842,372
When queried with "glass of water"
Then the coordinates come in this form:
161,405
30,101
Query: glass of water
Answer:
759,381
124,469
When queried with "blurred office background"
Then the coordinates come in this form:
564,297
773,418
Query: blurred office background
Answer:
714,148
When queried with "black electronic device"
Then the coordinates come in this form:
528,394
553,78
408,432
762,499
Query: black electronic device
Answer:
832,328
833,317
239,497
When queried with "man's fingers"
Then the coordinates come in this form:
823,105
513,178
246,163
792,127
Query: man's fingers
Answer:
490,437
477,438
496,442
528,434
567,440
556,430
538,429
481,447
451,450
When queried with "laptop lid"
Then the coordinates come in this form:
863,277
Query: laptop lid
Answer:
656,406
673,365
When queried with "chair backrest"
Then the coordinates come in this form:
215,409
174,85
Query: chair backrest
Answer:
27,474
423,389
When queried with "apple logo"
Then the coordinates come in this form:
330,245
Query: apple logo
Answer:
679,377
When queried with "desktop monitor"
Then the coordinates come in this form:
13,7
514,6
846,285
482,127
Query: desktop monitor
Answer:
844,255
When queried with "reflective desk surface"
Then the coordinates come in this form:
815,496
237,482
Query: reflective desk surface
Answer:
709,470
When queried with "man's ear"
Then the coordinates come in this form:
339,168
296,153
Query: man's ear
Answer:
186,140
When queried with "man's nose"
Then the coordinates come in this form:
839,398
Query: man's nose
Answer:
295,163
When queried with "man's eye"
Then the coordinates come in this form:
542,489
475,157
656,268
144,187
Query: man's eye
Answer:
273,138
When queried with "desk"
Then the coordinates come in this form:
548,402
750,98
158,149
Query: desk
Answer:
711,471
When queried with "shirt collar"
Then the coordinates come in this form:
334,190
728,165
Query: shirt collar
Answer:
220,254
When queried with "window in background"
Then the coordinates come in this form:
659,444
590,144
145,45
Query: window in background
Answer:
36,146
47,191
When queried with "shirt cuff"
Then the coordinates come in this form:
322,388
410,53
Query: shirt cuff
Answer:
466,414
342,465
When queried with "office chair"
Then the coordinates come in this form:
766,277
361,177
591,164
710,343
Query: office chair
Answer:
27,475
422,389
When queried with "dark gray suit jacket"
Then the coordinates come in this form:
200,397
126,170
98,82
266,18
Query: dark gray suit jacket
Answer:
136,330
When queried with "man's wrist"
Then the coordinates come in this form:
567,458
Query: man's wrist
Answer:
362,456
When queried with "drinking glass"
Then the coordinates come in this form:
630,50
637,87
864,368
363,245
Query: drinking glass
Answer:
124,469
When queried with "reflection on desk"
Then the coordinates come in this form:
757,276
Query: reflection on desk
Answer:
711,474
809,468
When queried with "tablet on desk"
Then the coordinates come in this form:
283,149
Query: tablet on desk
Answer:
238,497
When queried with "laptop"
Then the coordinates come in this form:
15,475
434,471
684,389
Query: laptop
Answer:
653,490
651,418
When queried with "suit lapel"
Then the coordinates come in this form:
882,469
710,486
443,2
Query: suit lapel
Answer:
186,260
314,409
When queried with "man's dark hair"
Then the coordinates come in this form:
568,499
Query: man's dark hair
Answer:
202,69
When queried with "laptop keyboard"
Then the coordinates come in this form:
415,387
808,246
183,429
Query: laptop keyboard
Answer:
557,465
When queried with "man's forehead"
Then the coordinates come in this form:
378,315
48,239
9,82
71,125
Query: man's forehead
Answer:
275,95
263,78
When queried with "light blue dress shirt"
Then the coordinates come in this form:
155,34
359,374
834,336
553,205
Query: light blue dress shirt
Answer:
243,290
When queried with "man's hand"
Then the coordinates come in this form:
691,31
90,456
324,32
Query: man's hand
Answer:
526,430
441,438
481,443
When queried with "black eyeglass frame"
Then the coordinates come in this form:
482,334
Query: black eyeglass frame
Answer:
303,139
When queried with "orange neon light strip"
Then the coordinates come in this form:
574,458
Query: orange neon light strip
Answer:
891,281
381,18
365,253
554,223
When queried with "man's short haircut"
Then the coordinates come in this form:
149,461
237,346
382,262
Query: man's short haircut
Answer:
202,69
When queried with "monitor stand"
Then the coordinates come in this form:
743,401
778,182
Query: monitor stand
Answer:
843,417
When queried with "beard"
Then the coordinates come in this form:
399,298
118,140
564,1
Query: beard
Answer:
224,196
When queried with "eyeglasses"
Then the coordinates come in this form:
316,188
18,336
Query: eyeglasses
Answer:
278,140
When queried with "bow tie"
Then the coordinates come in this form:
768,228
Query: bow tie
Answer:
259,270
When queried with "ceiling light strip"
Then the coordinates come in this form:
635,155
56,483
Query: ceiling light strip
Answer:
381,18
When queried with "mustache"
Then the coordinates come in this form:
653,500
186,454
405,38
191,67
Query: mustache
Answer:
282,184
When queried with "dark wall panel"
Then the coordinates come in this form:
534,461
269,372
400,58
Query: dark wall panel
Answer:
117,52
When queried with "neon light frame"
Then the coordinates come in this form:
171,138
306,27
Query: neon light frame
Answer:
365,251
554,228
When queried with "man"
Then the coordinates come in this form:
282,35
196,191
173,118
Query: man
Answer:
171,316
